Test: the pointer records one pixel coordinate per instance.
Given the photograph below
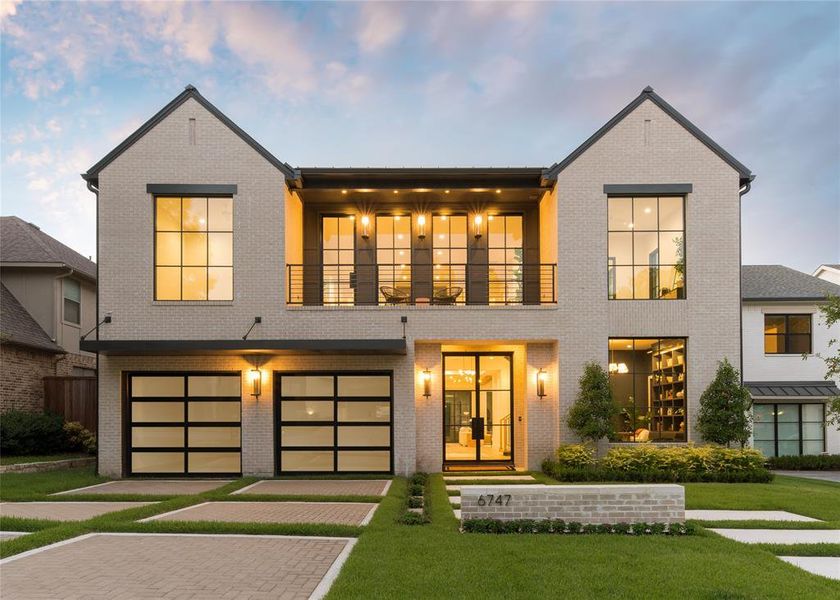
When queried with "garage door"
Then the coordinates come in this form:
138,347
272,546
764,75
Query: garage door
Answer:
334,422
184,424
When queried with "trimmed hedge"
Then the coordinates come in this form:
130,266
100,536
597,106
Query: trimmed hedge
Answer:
656,464
558,526
824,462
23,433
416,499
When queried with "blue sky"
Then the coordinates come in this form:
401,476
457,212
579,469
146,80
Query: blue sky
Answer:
425,84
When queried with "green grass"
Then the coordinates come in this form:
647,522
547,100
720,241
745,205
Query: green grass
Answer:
18,460
36,486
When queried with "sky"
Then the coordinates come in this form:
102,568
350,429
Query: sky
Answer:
429,84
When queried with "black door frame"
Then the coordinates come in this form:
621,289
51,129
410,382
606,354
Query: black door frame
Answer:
477,460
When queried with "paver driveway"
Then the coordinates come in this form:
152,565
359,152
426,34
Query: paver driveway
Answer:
150,487
63,511
106,566
343,513
319,487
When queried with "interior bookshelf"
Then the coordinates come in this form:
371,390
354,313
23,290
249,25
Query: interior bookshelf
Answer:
667,406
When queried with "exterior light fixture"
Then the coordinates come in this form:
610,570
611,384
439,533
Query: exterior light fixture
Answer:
427,383
256,382
445,191
396,191
477,226
421,227
541,378
343,191
365,227
498,191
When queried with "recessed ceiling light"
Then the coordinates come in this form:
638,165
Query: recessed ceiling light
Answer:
343,191
498,191
445,191
396,191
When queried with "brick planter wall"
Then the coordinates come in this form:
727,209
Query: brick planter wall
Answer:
599,504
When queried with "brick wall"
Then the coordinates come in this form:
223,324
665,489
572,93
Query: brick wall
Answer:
22,371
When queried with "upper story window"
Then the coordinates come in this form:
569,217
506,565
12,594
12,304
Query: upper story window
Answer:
193,248
787,334
72,293
646,248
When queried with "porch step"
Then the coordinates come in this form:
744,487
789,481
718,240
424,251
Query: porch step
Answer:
454,499
457,512
488,478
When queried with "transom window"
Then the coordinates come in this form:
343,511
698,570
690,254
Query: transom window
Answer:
787,334
72,301
646,248
193,248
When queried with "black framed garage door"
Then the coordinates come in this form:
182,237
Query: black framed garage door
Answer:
336,421
183,424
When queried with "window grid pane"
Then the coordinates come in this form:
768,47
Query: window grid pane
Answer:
787,334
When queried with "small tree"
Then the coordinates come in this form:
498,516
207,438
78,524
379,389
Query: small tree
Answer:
725,408
831,315
591,416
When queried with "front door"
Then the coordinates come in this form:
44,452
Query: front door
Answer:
478,407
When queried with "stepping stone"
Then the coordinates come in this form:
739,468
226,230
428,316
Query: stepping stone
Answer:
64,511
453,488
781,536
457,512
745,515
488,478
454,499
10,535
827,566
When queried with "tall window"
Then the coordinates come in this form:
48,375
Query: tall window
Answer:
648,381
789,429
193,248
338,247
72,301
393,253
646,248
449,247
787,334
505,249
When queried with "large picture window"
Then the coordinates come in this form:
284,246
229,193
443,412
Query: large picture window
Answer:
789,429
193,248
648,381
787,334
646,248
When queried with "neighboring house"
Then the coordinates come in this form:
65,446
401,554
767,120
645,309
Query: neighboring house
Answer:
829,273
48,302
784,337
268,319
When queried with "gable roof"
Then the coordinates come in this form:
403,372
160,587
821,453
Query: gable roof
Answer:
648,94
92,175
778,283
22,242
18,327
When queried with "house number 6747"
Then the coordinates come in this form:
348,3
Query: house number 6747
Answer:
494,500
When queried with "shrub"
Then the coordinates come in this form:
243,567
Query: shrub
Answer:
23,433
415,490
419,479
558,526
412,518
823,462
79,439
575,456
415,502
553,470
591,416
724,415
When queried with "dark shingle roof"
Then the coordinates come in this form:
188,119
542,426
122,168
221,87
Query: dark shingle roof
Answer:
792,389
18,327
777,282
22,242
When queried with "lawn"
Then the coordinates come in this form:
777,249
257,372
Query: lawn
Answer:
435,560
18,460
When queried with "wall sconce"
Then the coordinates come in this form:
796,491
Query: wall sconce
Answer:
365,227
427,383
421,227
256,382
477,226
542,376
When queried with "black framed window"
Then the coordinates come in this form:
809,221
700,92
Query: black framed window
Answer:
789,429
193,248
72,293
787,334
393,254
334,422
505,250
183,423
449,254
646,248
338,245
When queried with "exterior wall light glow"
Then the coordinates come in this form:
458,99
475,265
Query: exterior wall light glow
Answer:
421,227
477,226
427,383
256,382
542,376
365,227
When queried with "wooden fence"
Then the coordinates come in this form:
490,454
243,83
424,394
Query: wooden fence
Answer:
72,397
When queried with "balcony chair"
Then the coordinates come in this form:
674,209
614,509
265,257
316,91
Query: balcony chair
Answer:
446,295
394,295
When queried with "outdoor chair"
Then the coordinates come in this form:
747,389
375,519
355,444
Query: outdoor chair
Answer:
446,295
394,295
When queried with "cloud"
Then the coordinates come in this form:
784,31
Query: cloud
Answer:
380,25
8,8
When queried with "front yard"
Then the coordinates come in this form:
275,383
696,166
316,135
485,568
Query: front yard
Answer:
435,560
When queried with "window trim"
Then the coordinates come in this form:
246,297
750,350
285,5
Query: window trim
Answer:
786,335
181,301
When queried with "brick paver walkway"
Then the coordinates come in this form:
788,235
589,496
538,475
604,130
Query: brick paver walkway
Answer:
149,487
145,566
318,487
63,511
343,513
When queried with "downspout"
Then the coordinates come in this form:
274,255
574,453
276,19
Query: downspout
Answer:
92,188
742,191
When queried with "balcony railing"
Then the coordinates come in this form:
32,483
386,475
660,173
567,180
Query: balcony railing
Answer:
421,284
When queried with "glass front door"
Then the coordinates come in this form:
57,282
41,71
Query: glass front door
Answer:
478,407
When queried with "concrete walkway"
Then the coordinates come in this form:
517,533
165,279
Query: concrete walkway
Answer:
827,566
821,475
10,535
781,536
64,511
745,515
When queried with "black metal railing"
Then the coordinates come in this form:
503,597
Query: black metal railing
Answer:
421,284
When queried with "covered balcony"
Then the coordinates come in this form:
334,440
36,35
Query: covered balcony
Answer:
444,237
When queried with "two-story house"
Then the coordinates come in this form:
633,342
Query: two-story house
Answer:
784,337
269,319
48,298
